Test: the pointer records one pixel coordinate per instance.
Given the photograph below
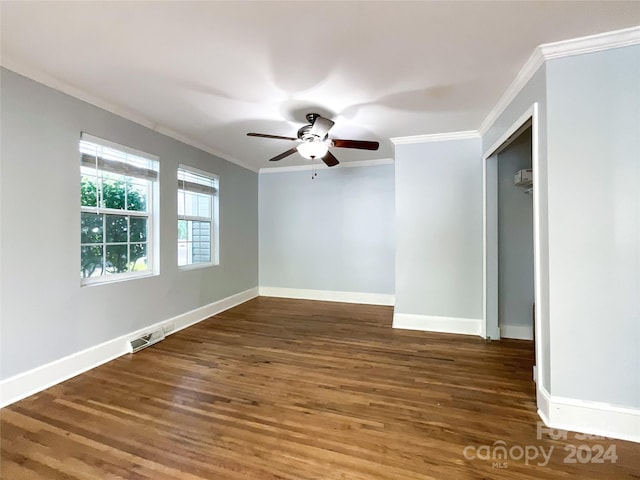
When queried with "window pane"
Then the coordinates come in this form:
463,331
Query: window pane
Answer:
90,261
200,252
183,256
116,259
201,247
197,204
201,231
180,202
90,228
182,229
117,228
88,191
137,229
138,257
137,192
204,205
113,191
191,203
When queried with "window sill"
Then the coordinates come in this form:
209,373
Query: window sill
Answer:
90,282
196,266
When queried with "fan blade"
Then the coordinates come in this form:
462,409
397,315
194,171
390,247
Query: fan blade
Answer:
283,155
321,126
278,137
360,144
330,160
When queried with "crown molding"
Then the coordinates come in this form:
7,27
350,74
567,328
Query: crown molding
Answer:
591,43
564,48
435,137
322,166
535,61
59,85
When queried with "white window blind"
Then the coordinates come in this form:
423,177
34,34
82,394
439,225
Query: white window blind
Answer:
191,181
100,155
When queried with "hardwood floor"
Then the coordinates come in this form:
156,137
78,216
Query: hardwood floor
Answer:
300,390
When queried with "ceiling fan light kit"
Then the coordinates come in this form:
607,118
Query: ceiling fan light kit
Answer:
315,141
312,150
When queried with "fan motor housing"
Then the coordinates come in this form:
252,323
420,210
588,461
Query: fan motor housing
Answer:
304,134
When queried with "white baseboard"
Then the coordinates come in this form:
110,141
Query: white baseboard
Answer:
40,378
33,381
194,316
464,326
543,399
518,332
592,418
329,296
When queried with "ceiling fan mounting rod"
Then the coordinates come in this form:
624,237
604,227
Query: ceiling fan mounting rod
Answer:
311,117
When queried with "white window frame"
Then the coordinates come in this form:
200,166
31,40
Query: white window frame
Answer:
151,214
213,219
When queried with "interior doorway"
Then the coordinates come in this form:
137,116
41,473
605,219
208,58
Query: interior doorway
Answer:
516,294
509,237
527,122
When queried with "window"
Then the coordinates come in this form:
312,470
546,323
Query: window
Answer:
197,217
117,189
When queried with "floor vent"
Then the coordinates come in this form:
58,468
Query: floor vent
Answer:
147,340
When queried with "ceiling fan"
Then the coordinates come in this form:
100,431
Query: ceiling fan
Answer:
315,141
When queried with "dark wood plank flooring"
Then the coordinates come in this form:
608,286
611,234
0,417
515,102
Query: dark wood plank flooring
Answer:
299,390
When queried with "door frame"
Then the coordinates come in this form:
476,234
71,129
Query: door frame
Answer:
490,275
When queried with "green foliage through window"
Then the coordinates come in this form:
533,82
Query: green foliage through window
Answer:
112,243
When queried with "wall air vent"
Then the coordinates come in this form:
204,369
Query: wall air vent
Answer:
146,340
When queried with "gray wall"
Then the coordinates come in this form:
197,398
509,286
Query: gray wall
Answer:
332,233
45,314
439,229
594,225
515,237
535,91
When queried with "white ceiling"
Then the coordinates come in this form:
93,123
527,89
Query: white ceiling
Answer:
213,71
